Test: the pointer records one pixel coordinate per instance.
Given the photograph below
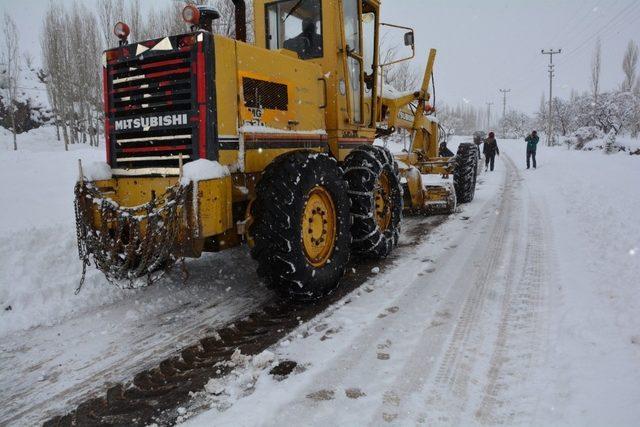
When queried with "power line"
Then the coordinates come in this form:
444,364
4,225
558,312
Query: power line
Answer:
631,8
619,17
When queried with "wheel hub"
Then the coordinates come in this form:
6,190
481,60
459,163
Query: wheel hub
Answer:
382,195
318,227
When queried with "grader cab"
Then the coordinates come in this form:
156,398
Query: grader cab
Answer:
213,142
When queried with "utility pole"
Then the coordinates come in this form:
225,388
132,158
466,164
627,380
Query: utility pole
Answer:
504,100
489,104
550,52
504,109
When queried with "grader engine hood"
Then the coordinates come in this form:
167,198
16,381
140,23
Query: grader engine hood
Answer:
160,104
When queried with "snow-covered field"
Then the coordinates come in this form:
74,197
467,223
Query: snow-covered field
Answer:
519,309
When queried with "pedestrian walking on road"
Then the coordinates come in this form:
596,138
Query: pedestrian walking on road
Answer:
490,150
532,144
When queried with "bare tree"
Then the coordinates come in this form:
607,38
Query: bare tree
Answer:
109,12
9,55
596,67
403,77
629,65
70,43
28,59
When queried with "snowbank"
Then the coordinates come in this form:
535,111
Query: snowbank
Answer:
202,169
592,202
39,265
95,171
591,138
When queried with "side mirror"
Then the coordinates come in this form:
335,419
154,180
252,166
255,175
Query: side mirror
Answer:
409,39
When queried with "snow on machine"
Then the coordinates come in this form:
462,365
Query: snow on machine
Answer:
213,142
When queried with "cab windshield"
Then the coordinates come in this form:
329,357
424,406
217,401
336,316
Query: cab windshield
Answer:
295,25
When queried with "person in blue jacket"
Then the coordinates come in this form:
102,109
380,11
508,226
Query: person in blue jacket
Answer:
532,143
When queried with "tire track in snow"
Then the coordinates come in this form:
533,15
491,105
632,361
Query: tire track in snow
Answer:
519,337
448,391
407,299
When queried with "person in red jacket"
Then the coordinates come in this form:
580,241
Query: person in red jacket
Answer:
490,150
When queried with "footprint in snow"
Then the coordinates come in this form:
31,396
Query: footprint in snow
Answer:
391,398
389,310
354,393
389,417
321,395
327,335
385,344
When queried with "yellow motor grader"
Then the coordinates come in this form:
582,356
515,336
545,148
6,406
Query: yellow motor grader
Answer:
213,142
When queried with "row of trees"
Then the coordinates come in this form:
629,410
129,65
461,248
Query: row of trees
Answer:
594,113
616,111
72,40
10,59
73,37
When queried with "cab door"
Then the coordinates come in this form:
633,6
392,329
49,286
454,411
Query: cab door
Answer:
360,52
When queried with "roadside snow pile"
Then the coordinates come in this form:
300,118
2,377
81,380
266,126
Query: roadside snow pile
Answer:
32,105
591,138
592,202
39,265
244,373
95,171
202,169
614,143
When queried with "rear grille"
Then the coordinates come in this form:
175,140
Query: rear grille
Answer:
152,101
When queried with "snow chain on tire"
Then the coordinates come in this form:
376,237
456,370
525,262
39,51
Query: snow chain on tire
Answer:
364,167
122,247
465,172
282,194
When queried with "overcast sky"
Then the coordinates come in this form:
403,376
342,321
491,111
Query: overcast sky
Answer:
482,45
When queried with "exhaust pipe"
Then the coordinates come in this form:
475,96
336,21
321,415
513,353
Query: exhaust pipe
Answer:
241,20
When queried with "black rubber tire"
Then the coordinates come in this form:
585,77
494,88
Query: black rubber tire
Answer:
363,166
276,230
466,172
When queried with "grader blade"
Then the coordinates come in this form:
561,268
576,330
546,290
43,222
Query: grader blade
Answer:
440,199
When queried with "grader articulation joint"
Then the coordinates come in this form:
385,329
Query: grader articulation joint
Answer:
277,141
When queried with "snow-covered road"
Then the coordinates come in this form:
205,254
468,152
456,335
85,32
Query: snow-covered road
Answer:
491,320
47,371
435,339
519,309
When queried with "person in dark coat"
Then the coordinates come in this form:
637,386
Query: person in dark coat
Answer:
308,44
532,145
444,150
490,150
